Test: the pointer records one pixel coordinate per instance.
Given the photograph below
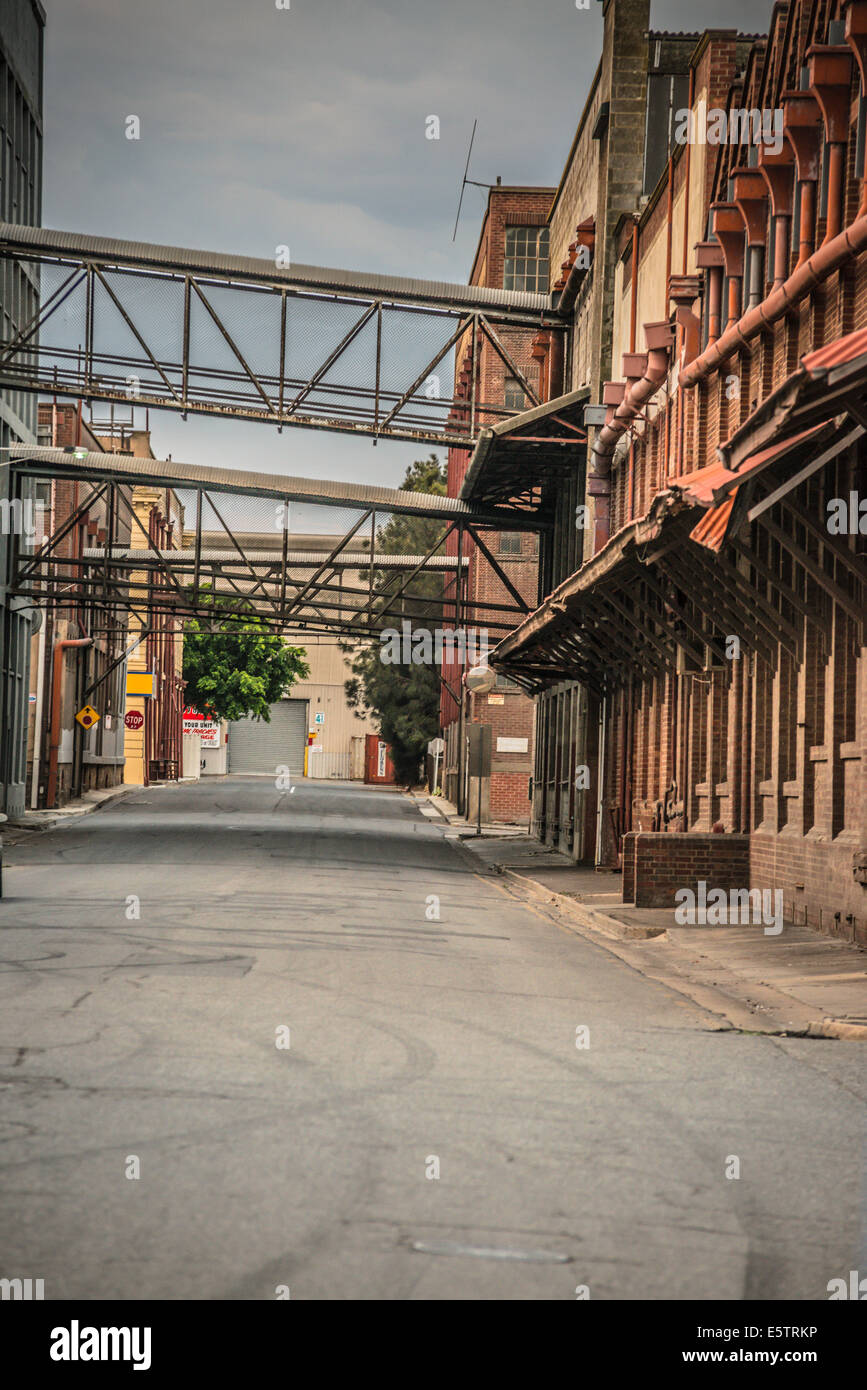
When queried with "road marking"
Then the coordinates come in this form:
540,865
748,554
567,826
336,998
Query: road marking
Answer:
488,1252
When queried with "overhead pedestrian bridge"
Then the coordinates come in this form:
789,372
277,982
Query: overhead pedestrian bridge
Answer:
251,339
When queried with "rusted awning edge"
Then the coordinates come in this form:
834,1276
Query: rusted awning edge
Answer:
623,546
827,382
506,434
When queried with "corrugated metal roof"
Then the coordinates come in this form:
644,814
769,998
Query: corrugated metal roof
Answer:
710,531
837,353
502,442
705,486
710,485
168,473
250,268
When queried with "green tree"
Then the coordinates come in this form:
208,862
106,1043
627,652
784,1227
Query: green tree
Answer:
403,699
235,667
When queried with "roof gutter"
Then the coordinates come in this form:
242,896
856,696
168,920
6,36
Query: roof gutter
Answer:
823,262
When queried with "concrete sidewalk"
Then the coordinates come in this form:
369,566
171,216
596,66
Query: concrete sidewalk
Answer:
14,831
798,982
467,828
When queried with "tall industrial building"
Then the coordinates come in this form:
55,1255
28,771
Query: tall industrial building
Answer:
22,24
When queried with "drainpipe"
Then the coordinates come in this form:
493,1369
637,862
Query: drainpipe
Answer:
686,178
659,338
683,291
601,789
751,200
728,226
633,315
56,691
37,724
777,170
803,279
663,462
746,744
855,33
830,68
801,116
556,384
633,306
709,257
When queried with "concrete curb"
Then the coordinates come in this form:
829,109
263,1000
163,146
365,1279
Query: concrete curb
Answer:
838,1028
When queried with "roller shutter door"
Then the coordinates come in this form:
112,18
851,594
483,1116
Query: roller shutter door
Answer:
255,746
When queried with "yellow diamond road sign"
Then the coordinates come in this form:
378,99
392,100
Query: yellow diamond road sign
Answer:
87,717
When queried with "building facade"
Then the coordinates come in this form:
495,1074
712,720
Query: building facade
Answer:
512,253
699,658
76,654
22,24
154,688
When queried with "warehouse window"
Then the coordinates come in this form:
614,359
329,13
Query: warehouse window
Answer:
510,542
513,394
526,262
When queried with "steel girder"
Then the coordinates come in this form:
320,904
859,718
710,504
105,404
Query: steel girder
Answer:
199,333
344,591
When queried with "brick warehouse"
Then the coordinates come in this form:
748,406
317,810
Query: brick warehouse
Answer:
512,253
698,659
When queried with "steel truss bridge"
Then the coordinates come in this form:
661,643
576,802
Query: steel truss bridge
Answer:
351,588
202,333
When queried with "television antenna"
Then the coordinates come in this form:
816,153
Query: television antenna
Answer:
475,183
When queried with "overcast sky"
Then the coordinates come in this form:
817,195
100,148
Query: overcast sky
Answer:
306,127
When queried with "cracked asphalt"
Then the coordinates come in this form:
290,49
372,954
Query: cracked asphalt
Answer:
151,954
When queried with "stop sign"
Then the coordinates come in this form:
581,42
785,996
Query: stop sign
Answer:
134,719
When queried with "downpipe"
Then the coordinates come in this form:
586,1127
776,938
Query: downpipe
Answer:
56,692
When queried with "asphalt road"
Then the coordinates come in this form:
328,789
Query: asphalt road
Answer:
411,1039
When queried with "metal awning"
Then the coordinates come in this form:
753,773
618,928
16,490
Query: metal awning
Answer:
514,458
829,382
718,488
615,615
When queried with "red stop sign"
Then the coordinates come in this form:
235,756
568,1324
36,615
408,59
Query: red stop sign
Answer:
134,719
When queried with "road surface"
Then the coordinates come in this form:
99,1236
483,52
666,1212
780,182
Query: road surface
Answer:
154,954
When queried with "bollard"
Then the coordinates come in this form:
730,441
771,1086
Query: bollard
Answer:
3,820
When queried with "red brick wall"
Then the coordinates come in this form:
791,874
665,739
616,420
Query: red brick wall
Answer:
660,864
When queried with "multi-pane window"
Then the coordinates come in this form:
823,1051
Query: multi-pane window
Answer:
513,394
510,542
526,260
504,683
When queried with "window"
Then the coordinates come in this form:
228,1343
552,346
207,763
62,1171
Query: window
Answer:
504,683
667,95
510,542
526,261
513,394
